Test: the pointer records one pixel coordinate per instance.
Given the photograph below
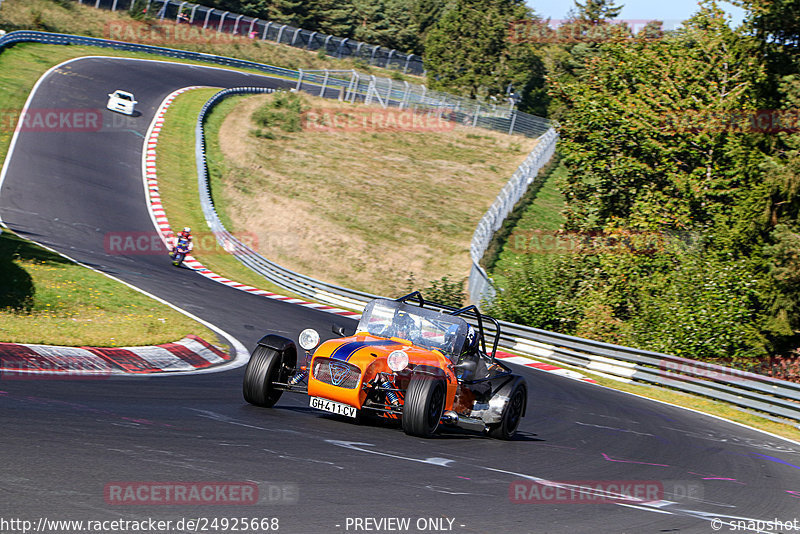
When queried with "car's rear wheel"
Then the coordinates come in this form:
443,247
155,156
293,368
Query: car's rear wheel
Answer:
512,414
263,369
423,406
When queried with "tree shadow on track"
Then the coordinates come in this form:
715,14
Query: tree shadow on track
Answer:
17,290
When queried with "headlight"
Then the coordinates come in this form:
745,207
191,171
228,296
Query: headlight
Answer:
397,361
309,338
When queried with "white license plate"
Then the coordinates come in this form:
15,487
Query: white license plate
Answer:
333,407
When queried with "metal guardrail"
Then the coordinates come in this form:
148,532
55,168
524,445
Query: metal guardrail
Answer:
744,389
747,390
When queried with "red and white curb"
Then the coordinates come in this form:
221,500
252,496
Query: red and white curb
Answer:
549,368
26,361
161,222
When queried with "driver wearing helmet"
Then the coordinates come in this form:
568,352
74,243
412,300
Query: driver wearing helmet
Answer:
186,234
404,326
470,363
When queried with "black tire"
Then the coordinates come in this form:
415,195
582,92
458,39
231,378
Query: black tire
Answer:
178,259
423,406
512,414
262,370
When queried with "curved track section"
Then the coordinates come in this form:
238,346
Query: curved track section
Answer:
65,443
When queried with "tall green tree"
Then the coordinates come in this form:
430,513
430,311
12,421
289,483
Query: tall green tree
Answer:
597,11
469,50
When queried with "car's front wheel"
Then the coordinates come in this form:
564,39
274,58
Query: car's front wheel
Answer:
423,406
262,371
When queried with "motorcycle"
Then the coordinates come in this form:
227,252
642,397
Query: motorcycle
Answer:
182,248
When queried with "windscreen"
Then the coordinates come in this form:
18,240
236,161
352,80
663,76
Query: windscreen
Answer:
424,327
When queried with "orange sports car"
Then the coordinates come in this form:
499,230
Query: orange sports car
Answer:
423,363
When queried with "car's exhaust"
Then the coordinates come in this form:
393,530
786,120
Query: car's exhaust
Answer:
467,423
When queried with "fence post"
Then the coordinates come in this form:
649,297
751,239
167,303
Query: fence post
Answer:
294,37
372,57
513,120
222,21
406,94
163,9
250,29
475,116
97,4
299,80
208,15
311,40
408,58
191,17
180,10
339,51
389,59
236,25
280,33
266,29
113,6
324,83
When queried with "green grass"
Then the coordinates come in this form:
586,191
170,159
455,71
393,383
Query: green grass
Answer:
45,298
177,183
535,218
360,207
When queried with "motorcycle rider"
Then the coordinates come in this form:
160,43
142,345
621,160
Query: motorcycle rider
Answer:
186,233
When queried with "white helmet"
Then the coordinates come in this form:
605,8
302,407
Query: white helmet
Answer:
187,229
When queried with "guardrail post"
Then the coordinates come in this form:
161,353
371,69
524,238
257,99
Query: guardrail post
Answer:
299,80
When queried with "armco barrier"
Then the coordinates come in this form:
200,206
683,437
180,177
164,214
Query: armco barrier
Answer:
748,390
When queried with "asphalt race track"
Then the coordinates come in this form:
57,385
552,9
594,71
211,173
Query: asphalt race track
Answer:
65,443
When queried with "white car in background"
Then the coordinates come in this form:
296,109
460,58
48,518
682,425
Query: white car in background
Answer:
121,101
